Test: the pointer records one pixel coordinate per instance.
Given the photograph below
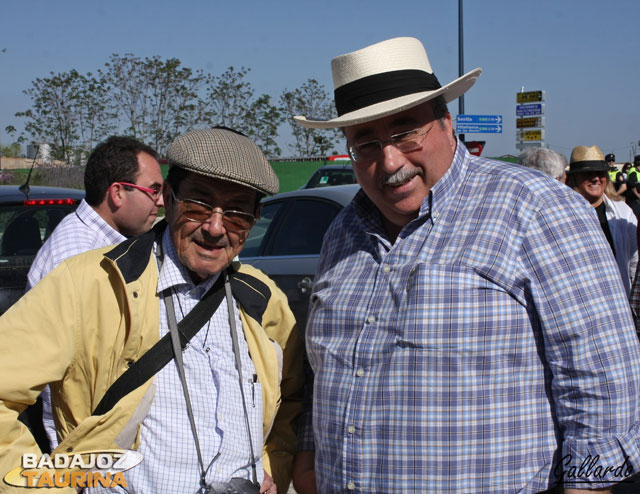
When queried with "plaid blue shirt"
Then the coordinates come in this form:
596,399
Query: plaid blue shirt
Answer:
488,350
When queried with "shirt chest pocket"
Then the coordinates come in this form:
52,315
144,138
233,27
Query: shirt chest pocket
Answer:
454,309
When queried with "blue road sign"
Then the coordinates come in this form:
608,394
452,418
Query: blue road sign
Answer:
530,110
463,128
479,119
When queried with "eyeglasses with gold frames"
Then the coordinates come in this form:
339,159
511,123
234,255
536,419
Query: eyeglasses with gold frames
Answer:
233,220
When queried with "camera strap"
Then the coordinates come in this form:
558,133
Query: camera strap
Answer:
175,341
177,351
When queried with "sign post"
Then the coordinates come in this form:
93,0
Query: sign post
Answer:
530,127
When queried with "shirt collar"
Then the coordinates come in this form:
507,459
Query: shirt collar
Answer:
93,220
445,188
173,273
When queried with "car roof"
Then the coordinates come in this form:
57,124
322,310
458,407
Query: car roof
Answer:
335,167
342,194
12,193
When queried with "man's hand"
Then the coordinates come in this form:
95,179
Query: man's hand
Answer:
268,486
304,475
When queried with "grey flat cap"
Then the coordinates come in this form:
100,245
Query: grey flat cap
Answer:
226,155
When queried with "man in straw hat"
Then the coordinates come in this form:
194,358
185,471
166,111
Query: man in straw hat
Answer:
452,329
589,176
164,344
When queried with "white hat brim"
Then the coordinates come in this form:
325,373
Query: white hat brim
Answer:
451,91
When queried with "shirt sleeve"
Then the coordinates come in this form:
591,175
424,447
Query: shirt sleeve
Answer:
590,345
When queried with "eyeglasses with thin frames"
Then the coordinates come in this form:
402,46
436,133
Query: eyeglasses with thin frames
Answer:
154,191
233,220
405,142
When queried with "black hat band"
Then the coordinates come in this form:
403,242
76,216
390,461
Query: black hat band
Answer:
382,87
591,165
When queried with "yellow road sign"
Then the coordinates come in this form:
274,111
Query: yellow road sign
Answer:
522,123
530,97
530,135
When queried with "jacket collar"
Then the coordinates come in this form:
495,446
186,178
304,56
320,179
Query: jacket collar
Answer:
132,255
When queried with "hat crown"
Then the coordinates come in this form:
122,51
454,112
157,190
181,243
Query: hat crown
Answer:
402,53
586,153
224,155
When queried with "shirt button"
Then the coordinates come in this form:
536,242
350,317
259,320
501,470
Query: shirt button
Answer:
351,429
371,319
135,294
360,372
351,486
386,268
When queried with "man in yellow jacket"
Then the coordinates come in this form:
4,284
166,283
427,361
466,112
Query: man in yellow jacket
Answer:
226,412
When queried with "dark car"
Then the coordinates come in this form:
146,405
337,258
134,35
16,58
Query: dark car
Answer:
331,175
285,242
25,223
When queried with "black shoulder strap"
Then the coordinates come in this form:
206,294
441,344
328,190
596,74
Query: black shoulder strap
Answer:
161,353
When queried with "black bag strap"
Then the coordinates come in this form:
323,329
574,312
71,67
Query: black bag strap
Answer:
161,353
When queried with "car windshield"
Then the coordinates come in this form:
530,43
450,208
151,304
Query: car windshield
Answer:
24,229
327,177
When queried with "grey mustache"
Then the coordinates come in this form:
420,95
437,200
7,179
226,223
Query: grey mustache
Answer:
400,176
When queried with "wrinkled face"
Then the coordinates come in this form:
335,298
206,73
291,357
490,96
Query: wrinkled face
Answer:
140,208
207,247
397,182
591,185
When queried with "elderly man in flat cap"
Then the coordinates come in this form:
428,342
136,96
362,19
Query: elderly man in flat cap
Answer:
468,331
164,344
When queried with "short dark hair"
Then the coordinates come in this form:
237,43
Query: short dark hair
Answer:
114,160
439,108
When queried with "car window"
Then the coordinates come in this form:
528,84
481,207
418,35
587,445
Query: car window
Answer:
325,178
24,230
258,233
302,230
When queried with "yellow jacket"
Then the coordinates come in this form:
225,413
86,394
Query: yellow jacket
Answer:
82,326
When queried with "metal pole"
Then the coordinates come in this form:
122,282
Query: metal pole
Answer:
460,61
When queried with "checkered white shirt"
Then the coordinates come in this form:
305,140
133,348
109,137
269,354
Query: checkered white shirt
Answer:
170,460
78,232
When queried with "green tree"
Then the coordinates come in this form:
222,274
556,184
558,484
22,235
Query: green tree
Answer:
51,117
12,150
231,103
156,99
310,100
69,111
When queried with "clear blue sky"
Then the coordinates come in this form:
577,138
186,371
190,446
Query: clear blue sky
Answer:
584,53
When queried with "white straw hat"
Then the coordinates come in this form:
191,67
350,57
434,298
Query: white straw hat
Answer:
383,79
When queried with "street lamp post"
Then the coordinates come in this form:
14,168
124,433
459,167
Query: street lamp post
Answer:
460,61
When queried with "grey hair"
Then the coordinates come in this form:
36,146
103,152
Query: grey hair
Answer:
547,161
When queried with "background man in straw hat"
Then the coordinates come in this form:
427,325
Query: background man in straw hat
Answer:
452,328
105,309
589,176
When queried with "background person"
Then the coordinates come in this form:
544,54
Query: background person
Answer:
615,176
106,308
452,329
546,160
589,176
110,211
633,192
